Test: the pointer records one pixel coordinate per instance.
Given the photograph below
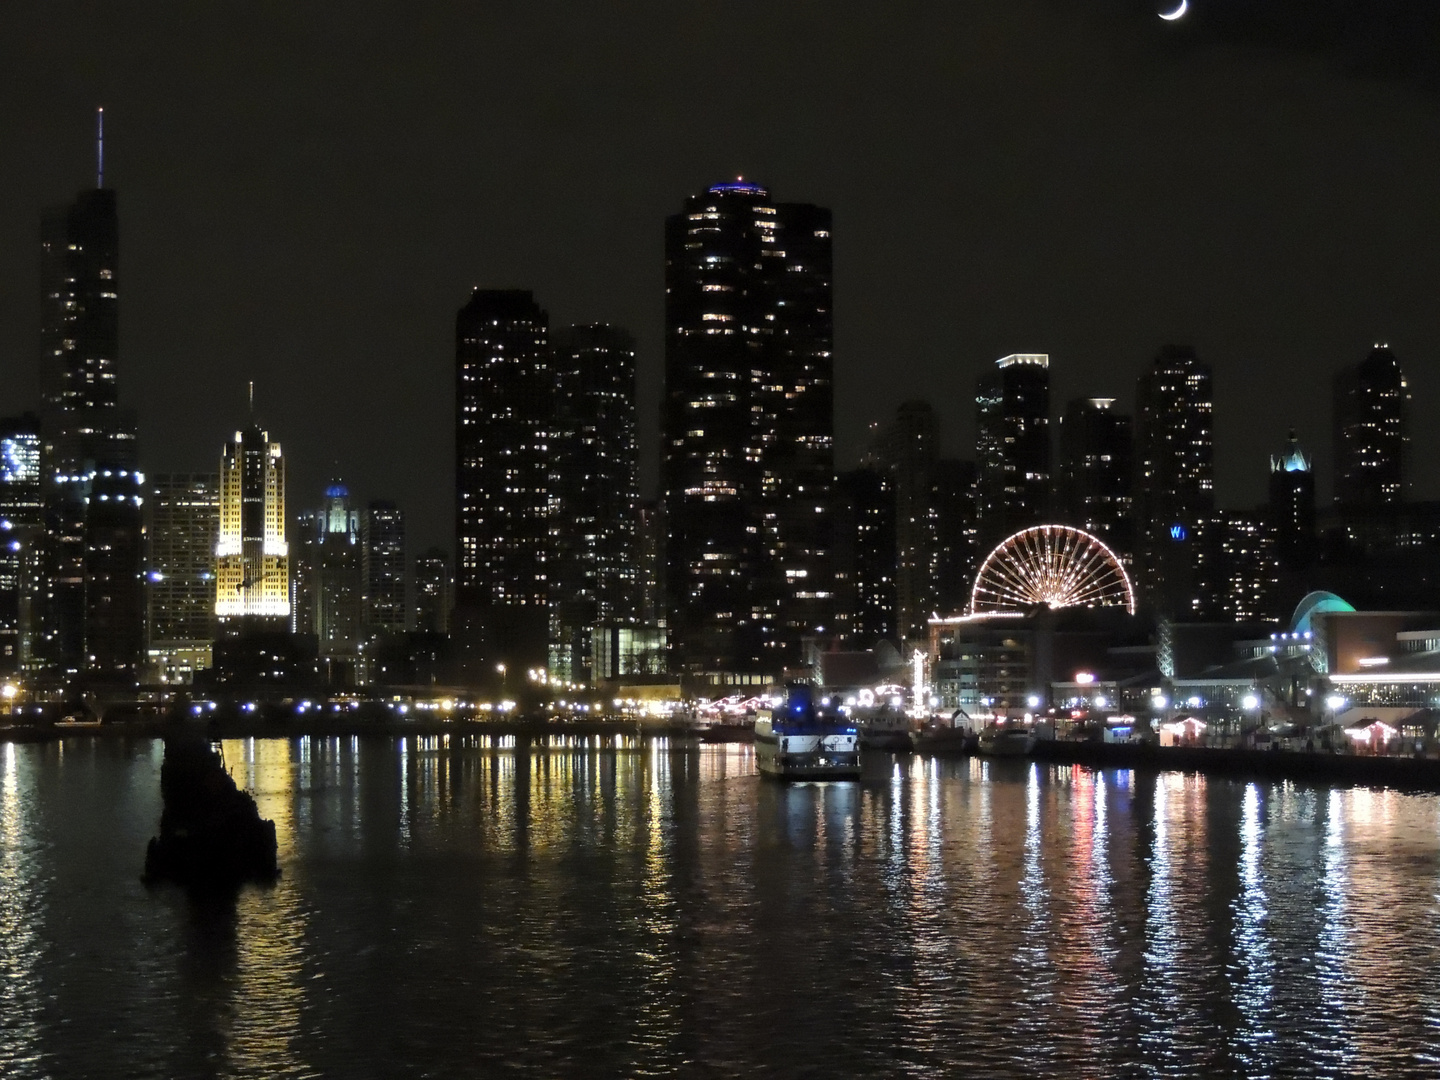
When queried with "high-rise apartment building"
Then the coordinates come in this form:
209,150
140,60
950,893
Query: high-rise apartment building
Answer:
1012,418
748,428
1095,483
906,450
382,536
252,557
503,420
1372,401
182,528
865,548
1176,548
954,530
594,487
434,591
92,595
22,526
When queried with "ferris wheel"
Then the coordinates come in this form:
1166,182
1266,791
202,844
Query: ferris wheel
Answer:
1056,565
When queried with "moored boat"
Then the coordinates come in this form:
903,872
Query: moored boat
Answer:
797,741
1005,740
885,728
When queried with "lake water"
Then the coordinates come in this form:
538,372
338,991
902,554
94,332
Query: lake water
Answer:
467,909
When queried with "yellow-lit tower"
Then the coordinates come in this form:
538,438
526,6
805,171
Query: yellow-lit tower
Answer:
252,559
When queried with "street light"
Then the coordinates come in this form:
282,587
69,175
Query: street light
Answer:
1251,702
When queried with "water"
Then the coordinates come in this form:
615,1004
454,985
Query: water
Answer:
462,909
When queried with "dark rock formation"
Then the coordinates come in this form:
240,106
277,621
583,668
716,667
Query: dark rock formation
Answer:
211,834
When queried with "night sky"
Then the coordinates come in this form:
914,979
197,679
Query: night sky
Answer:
309,192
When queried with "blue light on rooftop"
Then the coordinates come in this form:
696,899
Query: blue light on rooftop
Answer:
740,186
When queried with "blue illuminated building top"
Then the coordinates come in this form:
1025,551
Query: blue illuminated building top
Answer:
737,186
337,491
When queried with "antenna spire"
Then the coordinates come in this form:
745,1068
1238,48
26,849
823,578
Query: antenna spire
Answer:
252,399
100,147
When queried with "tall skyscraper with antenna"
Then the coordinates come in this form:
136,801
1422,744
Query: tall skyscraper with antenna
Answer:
91,609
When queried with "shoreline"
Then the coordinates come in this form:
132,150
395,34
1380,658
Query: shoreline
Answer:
1404,773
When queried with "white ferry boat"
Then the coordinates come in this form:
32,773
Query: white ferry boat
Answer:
798,742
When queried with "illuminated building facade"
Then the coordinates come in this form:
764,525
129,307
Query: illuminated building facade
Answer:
252,558
503,419
1372,401
434,591
1094,488
1175,486
594,484
1249,587
865,556
906,449
328,582
1291,508
382,544
1012,423
182,527
954,531
91,594
747,430
21,540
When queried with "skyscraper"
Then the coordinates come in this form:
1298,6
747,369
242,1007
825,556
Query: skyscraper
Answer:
503,417
865,552
252,558
954,529
748,430
21,540
92,601
1372,438
1012,418
595,491
434,591
328,584
382,535
1292,507
182,527
1095,488
1175,485
906,449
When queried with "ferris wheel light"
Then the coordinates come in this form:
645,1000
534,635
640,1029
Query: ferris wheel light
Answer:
1051,565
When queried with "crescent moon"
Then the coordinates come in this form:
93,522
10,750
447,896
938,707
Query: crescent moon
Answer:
1177,13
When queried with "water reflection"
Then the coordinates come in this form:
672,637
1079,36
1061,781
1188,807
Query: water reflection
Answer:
470,906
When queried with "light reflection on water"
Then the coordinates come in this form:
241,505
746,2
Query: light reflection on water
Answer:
460,906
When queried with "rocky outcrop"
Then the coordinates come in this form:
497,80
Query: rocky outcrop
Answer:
211,833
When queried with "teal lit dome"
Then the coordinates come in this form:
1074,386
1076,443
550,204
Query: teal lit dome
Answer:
1318,602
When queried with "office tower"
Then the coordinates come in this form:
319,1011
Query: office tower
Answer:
906,449
1372,439
86,434
747,459
1094,489
1292,507
503,389
252,558
865,553
1012,417
1175,486
594,485
954,529
328,589
434,592
383,568
182,527
21,540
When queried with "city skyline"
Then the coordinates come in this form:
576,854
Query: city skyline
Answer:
1090,257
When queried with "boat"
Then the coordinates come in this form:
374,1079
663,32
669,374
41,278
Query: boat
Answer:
798,741
885,728
1004,740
